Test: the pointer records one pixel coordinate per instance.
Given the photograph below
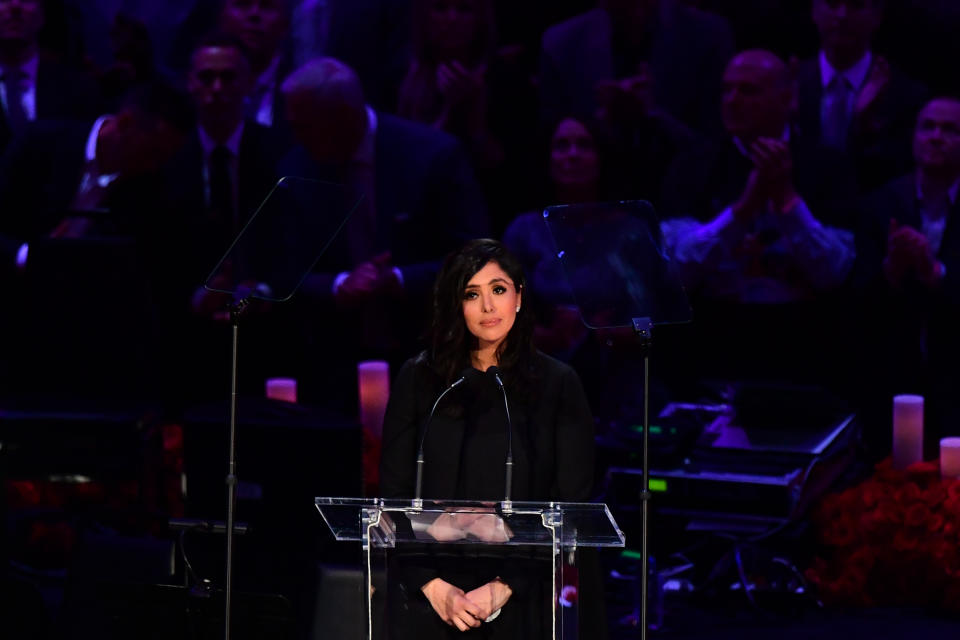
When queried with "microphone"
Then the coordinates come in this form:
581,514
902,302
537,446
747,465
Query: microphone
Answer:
494,372
417,500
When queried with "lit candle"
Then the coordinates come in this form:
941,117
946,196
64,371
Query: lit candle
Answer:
950,457
907,430
284,389
373,379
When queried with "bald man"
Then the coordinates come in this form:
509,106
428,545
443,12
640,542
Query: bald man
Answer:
760,242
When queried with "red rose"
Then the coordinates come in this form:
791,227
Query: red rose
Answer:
22,493
905,540
908,493
934,494
889,512
917,515
953,488
884,472
871,492
840,533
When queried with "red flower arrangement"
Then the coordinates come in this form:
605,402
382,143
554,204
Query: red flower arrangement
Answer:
893,540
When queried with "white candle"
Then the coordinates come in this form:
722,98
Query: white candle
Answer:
950,457
907,430
373,378
284,389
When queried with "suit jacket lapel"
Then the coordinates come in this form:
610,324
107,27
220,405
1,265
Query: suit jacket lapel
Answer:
810,95
950,245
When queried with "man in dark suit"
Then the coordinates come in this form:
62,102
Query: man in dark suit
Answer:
419,201
676,52
756,255
263,27
32,87
227,165
212,186
851,100
421,198
908,276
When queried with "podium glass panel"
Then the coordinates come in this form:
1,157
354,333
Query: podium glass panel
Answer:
385,527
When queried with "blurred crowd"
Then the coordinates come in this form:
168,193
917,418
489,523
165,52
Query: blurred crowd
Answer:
803,157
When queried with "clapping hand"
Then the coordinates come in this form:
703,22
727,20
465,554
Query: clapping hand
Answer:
367,280
909,252
770,180
458,84
873,88
625,100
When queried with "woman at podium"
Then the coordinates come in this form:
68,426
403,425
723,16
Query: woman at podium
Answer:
482,332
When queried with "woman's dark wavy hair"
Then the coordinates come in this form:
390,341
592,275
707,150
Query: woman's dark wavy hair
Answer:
451,341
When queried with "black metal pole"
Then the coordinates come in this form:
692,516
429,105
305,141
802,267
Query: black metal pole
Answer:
644,329
235,311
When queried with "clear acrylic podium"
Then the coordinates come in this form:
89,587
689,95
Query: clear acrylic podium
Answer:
380,525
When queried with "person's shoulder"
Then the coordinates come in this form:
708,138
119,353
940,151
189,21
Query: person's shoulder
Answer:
418,366
573,28
692,18
875,208
905,185
396,132
550,368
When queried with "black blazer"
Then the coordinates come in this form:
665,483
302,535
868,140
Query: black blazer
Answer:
260,149
465,448
39,176
907,337
882,153
427,202
61,93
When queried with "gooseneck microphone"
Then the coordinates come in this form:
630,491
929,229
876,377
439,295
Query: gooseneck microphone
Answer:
417,499
494,372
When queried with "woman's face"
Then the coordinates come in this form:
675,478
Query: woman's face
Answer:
490,302
573,155
452,25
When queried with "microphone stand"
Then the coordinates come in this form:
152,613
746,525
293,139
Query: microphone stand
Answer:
508,467
417,494
643,328
236,310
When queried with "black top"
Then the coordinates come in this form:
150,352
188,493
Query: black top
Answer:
466,441
464,455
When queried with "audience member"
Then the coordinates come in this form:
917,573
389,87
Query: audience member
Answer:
765,245
162,22
59,176
575,175
132,58
458,83
578,168
33,87
262,26
852,99
761,267
417,199
655,53
908,277
371,36
213,185
228,164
